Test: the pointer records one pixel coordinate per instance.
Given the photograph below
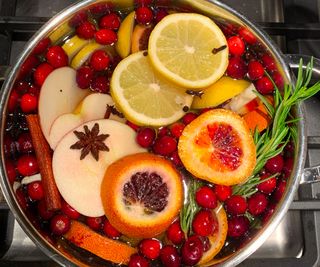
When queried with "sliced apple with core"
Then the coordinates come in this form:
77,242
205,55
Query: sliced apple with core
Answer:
79,181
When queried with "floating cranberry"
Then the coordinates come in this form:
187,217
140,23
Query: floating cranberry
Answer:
247,36
189,117
150,248
35,190
145,137
175,233
170,257
34,90
69,211
287,167
236,45
28,65
223,192
236,205
238,226
95,223
206,198
78,18
11,171
275,164
57,57
163,131
203,223
268,212
264,85
42,46
13,100
192,250
255,70
138,261
84,77
268,185
59,224
106,37
29,103
43,211
165,145
161,13
86,30
99,60
206,243
269,63
175,158
100,84
237,68
280,189
25,143
144,15
143,2
278,80
110,231
27,165
41,73
110,21
21,87
100,8
176,129
257,204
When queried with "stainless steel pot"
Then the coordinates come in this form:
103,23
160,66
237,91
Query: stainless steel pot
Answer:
58,27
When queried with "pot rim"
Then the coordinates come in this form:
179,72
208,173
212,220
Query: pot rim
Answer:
238,256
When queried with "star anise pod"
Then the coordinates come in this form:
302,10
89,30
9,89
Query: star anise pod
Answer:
90,141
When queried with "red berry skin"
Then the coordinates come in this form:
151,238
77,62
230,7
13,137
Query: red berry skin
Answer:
106,37
163,131
95,223
150,248
27,165
144,15
11,171
275,164
34,90
206,198
28,65
110,231
236,205
42,46
237,68
268,212
43,211
170,257
165,145
99,60
192,250
267,186
161,13
189,117
69,211
41,73
56,57
238,226
264,85
138,261
174,157
176,129
110,21
223,192
236,45
255,70
143,2
84,77
13,100
247,36
145,137
29,103
86,30
287,167
78,18
269,63
175,233
35,190
203,223
25,143
257,204
59,224
280,189
100,84
278,80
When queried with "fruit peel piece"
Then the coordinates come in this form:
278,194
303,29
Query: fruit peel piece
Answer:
123,45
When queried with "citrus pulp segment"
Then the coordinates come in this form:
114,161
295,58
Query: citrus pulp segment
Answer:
145,97
189,49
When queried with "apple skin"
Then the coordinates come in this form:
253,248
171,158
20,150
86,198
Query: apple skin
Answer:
79,181
59,94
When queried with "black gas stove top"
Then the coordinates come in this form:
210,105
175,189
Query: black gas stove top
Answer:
295,27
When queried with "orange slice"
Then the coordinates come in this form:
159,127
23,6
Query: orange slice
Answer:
141,194
218,147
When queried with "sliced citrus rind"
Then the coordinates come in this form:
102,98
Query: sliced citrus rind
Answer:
181,49
218,147
143,96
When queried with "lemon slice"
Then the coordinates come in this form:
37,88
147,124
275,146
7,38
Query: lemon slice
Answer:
145,97
73,45
183,48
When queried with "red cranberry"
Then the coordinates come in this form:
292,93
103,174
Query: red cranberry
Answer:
163,131
176,129
43,211
278,80
56,57
161,13
13,100
132,125
223,192
145,137
206,243
150,248
34,90
25,143
192,250
143,2
264,85
165,145
269,63
106,37
100,8
28,65
170,257
21,87
144,15
257,204
287,168
41,73
237,68
35,190
238,226
69,211
189,117
268,185
110,21
28,103
236,205
99,60
268,212
138,261
86,30
100,84
95,223
206,198
275,164
247,36
174,157
229,29
236,45
84,77
110,231
27,165
255,70
59,224
175,233
203,223
280,189
11,171
78,18
42,46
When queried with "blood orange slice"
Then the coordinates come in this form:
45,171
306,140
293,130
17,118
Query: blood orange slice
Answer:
218,147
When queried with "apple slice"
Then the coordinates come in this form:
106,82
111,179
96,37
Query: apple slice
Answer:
58,95
78,180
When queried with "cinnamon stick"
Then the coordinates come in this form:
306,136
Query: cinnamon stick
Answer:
44,157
